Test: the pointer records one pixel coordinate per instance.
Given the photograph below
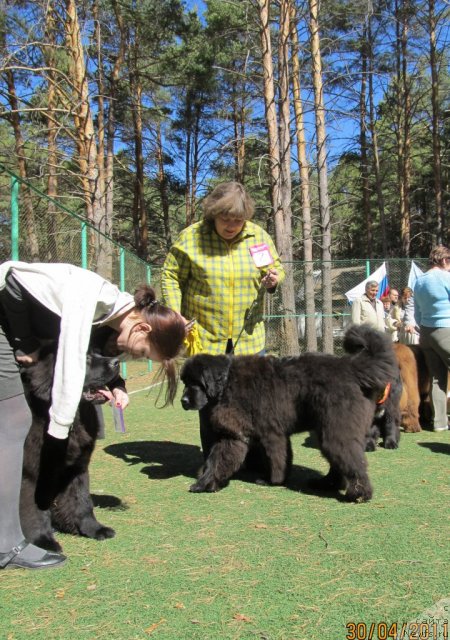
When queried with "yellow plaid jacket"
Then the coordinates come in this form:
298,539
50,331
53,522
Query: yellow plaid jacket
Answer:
217,283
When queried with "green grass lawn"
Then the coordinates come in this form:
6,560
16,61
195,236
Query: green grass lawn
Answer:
249,562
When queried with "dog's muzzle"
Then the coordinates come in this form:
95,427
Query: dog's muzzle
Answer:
185,403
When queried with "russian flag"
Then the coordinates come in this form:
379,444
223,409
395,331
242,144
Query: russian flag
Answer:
380,276
383,284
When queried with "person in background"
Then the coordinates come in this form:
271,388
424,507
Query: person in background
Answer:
368,309
64,303
432,314
393,297
390,320
409,330
211,273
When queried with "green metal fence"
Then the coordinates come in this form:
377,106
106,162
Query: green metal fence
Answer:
29,232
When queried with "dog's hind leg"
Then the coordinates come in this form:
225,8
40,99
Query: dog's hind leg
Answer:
225,458
279,454
73,511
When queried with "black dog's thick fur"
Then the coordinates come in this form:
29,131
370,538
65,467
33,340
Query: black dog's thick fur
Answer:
260,401
72,511
387,420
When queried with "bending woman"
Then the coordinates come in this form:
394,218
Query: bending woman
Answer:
64,302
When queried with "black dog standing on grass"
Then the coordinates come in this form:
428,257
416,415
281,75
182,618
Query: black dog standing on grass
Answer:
258,402
72,509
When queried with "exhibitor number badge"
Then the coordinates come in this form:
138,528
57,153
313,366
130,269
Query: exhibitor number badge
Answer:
261,255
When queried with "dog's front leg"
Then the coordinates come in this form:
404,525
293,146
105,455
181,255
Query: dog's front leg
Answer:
225,458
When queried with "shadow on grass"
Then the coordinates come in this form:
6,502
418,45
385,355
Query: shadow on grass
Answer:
112,503
166,459
301,480
436,447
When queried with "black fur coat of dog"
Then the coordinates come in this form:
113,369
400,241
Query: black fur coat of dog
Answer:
258,402
72,510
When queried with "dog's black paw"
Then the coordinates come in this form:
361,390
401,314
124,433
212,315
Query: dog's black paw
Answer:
358,493
104,533
371,445
197,488
390,443
48,543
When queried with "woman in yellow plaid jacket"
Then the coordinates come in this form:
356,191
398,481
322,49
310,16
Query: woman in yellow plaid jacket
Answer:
218,271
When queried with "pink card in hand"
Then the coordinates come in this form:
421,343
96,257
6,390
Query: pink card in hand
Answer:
261,255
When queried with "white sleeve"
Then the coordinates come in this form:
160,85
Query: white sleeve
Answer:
81,295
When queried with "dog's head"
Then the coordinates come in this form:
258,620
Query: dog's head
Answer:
100,371
204,377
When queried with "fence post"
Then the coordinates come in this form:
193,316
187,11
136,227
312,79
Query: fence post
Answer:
84,246
14,219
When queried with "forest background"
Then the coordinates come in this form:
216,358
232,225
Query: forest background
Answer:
334,115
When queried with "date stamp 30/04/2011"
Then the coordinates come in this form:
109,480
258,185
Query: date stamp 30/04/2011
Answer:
398,630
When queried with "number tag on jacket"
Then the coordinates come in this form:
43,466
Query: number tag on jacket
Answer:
261,255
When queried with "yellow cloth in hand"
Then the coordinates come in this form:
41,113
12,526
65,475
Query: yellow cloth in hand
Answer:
192,342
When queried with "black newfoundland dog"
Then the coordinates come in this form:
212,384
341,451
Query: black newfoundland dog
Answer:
59,479
387,420
256,403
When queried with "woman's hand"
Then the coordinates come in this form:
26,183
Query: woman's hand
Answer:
270,279
120,398
28,359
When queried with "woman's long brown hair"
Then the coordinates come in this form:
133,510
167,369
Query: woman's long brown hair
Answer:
167,335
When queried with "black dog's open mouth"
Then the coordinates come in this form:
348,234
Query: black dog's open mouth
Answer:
97,396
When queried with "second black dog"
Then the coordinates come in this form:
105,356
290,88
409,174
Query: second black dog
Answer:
260,401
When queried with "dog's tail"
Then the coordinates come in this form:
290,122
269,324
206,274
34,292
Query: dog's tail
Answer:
373,357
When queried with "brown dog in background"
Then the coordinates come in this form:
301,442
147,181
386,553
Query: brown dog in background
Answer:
415,401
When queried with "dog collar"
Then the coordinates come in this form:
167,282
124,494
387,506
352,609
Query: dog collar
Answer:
385,394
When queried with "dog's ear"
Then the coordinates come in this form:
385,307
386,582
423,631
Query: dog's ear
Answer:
215,375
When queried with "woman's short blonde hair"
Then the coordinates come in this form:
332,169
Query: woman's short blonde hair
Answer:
438,255
229,199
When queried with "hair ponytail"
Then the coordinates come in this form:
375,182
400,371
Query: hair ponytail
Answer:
167,335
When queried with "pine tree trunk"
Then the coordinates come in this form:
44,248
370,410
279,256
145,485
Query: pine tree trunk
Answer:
29,230
402,125
53,249
86,141
106,248
324,206
289,342
437,169
308,268
110,137
364,165
374,136
163,189
139,205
